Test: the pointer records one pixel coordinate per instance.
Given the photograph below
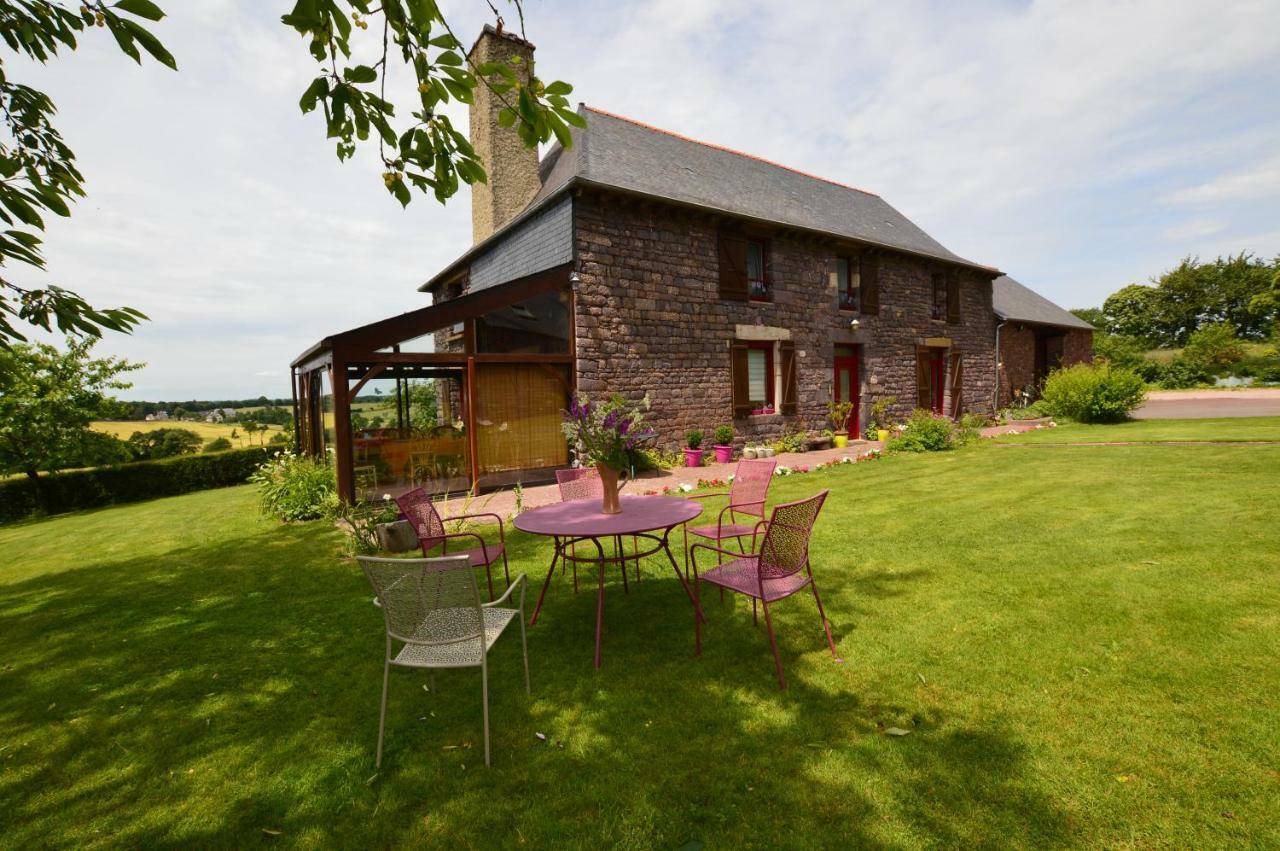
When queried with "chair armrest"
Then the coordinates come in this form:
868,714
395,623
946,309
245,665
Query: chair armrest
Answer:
705,495
484,546
733,553
520,581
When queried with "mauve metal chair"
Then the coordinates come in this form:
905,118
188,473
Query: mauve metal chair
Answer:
585,483
434,619
777,570
747,494
418,509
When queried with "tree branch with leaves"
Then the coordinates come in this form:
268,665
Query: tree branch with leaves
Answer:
38,173
354,40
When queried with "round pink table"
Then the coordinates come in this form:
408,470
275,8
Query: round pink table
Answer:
643,517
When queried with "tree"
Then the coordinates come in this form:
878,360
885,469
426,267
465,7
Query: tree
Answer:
423,151
163,443
1131,312
423,405
1093,315
1214,348
180,413
48,398
251,428
218,444
38,173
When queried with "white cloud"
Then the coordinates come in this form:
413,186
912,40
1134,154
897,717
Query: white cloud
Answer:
1194,228
1261,180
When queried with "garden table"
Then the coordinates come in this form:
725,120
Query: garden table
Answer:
651,518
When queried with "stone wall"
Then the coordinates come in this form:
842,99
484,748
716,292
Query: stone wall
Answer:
650,320
1018,354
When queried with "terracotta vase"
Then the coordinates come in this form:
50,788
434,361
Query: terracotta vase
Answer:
611,481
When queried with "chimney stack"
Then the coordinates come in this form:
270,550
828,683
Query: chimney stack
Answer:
512,168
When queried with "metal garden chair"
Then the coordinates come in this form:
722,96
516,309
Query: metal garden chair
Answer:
585,483
778,569
434,619
427,523
747,494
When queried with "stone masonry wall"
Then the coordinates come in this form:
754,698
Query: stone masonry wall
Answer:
1018,354
650,320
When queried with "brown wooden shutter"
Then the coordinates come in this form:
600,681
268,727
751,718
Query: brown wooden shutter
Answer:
870,272
953,298
788,352
733,266
957,385
923,398
738,379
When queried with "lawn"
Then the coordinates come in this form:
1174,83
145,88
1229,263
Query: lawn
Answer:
208,432
1082,645
1225,429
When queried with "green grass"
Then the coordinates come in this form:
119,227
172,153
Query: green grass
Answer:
1227,429
1082,642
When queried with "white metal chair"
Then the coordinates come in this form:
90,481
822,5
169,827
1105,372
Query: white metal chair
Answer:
434,615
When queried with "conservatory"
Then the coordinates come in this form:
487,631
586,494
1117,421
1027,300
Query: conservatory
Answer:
464,394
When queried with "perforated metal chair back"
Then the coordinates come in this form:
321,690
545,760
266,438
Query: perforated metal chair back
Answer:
422,515
427,601
750,486
579,483
785,548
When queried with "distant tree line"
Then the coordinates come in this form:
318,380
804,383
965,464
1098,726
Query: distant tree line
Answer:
1241,292
139,410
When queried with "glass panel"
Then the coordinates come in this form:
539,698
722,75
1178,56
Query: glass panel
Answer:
407,432
842,392
755,261
539,325
326,411
757,377
518,416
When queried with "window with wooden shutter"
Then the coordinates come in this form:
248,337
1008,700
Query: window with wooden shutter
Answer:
953,298
870,284
740,378
787,350
733,266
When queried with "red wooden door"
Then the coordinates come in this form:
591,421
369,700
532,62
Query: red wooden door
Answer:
846,386
937,379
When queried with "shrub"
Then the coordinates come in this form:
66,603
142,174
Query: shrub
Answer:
1119,350
295,487
1182,373
1151,371
81,489
925,432
1214,348
645,460
693,438
1092,393
220,444
724,435
163,443
1268,374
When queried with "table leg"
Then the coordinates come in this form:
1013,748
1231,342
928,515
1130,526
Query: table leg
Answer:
550,572
600,609
666,548
621,556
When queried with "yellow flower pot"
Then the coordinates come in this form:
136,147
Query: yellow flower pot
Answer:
840,439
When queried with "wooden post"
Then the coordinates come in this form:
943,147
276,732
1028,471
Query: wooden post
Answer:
471,420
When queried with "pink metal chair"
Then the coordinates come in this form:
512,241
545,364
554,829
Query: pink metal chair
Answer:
779,569
585,483
429,526
747,495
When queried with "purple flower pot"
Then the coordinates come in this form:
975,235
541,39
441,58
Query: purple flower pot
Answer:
724,454
693,457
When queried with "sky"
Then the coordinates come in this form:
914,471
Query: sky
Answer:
1079,146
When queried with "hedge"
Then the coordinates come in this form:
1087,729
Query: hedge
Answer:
80,489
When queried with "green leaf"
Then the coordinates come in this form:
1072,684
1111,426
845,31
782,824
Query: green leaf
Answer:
360,74
150,43
141,8
506,117
559,87
448,57
123,38
319,88
573,118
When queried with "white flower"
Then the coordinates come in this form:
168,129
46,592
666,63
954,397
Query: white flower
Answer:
386,497
686,487
782,470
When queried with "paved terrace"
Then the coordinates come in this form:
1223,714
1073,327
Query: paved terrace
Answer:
503,502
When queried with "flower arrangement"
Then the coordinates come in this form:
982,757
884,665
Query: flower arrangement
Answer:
604,432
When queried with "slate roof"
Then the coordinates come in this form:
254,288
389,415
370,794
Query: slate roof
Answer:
622,154
1013,301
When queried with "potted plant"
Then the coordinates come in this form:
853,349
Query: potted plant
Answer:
604,435
693,448
880,417
724,444
838,416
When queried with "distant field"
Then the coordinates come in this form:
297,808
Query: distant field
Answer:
208,431
1251,350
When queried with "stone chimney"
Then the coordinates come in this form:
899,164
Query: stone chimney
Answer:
512,168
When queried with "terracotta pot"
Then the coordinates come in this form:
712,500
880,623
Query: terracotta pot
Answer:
693,457
840,439
611,482
724,454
